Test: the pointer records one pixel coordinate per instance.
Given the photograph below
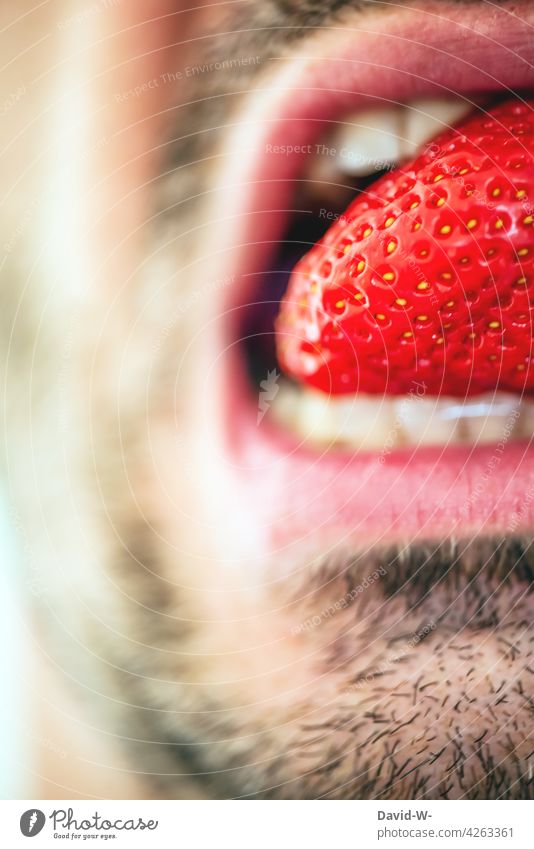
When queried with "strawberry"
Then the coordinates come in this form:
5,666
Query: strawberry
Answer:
428,276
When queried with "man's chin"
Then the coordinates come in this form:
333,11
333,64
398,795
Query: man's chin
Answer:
351,686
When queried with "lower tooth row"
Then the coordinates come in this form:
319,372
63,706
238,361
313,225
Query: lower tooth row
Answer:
373,423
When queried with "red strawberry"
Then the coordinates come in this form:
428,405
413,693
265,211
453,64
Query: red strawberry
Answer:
429,276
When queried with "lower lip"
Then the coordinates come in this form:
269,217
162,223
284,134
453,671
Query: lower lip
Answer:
362,498
357,499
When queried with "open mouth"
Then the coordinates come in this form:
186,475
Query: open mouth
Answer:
347,163
325,130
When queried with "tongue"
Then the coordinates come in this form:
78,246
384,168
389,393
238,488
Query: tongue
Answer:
428,277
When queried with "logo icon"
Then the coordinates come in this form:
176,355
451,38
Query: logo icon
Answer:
268,392
32,822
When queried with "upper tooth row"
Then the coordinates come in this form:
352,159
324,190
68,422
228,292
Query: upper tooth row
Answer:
377,139
373,423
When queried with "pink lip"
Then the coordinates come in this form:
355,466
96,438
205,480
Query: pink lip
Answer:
299,495
357,499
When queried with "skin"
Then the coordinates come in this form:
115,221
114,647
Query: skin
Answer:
176,673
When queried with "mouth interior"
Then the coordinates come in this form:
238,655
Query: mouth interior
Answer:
315,205
321,192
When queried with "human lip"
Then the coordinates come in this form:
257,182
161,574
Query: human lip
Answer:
419,491
449,54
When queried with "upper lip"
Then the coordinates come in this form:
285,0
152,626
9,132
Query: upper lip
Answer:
411,55
429,492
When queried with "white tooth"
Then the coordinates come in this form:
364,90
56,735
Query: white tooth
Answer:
485,419
368,423
313,417
369,141
422,423
526,421
489,428
286,407
360,422
325,181
425,119
364,422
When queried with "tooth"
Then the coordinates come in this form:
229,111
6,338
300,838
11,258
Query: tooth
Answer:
370,141
500,423
424,119
313,418
316,420
485,429
422,423
286,407
325,182
526,421
482,419
364,422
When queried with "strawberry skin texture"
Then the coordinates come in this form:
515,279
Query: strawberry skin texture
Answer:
428,277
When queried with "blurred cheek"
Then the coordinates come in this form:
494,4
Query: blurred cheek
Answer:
122,107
